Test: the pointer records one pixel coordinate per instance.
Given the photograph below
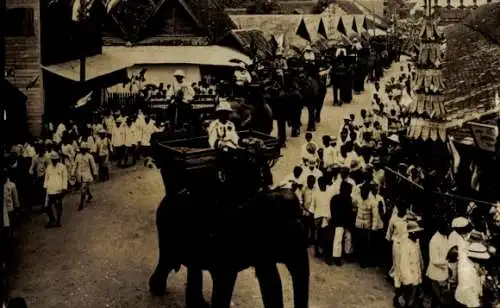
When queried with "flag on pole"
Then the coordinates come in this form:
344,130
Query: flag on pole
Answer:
455,155
302,31
322,29
84,100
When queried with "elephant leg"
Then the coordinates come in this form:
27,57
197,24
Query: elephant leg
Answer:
321,100
158,280
223,286
311,123
194,289
282,130
299,270
270,285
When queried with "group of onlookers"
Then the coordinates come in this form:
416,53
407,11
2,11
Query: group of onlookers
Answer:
354,216
40,171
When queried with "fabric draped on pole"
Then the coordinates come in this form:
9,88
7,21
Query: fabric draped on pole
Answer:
427,111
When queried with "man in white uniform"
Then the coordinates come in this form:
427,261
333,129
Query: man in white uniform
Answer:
180,84
222,132
241,78
309,54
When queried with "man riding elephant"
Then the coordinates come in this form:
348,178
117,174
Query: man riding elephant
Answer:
248,227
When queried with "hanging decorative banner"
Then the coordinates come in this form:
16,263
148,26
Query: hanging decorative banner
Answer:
485,136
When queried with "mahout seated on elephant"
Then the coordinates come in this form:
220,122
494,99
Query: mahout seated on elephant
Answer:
225,225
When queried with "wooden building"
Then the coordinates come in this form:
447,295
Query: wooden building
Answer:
22,64
163,36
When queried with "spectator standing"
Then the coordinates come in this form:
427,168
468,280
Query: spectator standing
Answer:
365,215
437,270
321,208
411,268
104,148
341,211
131,141
118,141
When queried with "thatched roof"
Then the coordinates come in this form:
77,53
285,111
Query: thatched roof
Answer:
472,66
133,18
274,25
250,41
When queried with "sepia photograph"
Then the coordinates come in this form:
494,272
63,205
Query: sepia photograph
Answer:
250,153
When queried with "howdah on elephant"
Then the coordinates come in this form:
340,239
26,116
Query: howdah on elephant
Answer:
222,221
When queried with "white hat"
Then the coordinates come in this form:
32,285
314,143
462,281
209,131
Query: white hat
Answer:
460,222
413,226
279,52
308,48
179,73
224,106
242,65
394,138
478,251
346,117
54,155
84,145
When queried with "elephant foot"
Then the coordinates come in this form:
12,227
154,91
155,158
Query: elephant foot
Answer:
157,285
318,120
197,303
157,288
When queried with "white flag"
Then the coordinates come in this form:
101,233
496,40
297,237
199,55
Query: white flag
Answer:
84,100
454,153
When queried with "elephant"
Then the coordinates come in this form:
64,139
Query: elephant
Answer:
225,225
313,92
253,112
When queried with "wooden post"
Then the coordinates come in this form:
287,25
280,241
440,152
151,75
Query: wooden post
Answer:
81,31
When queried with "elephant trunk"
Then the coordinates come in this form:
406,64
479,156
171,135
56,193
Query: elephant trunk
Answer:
299,270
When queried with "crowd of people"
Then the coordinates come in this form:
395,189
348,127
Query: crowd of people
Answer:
70,156
353,215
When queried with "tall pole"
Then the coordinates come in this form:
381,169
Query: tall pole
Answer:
80,26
